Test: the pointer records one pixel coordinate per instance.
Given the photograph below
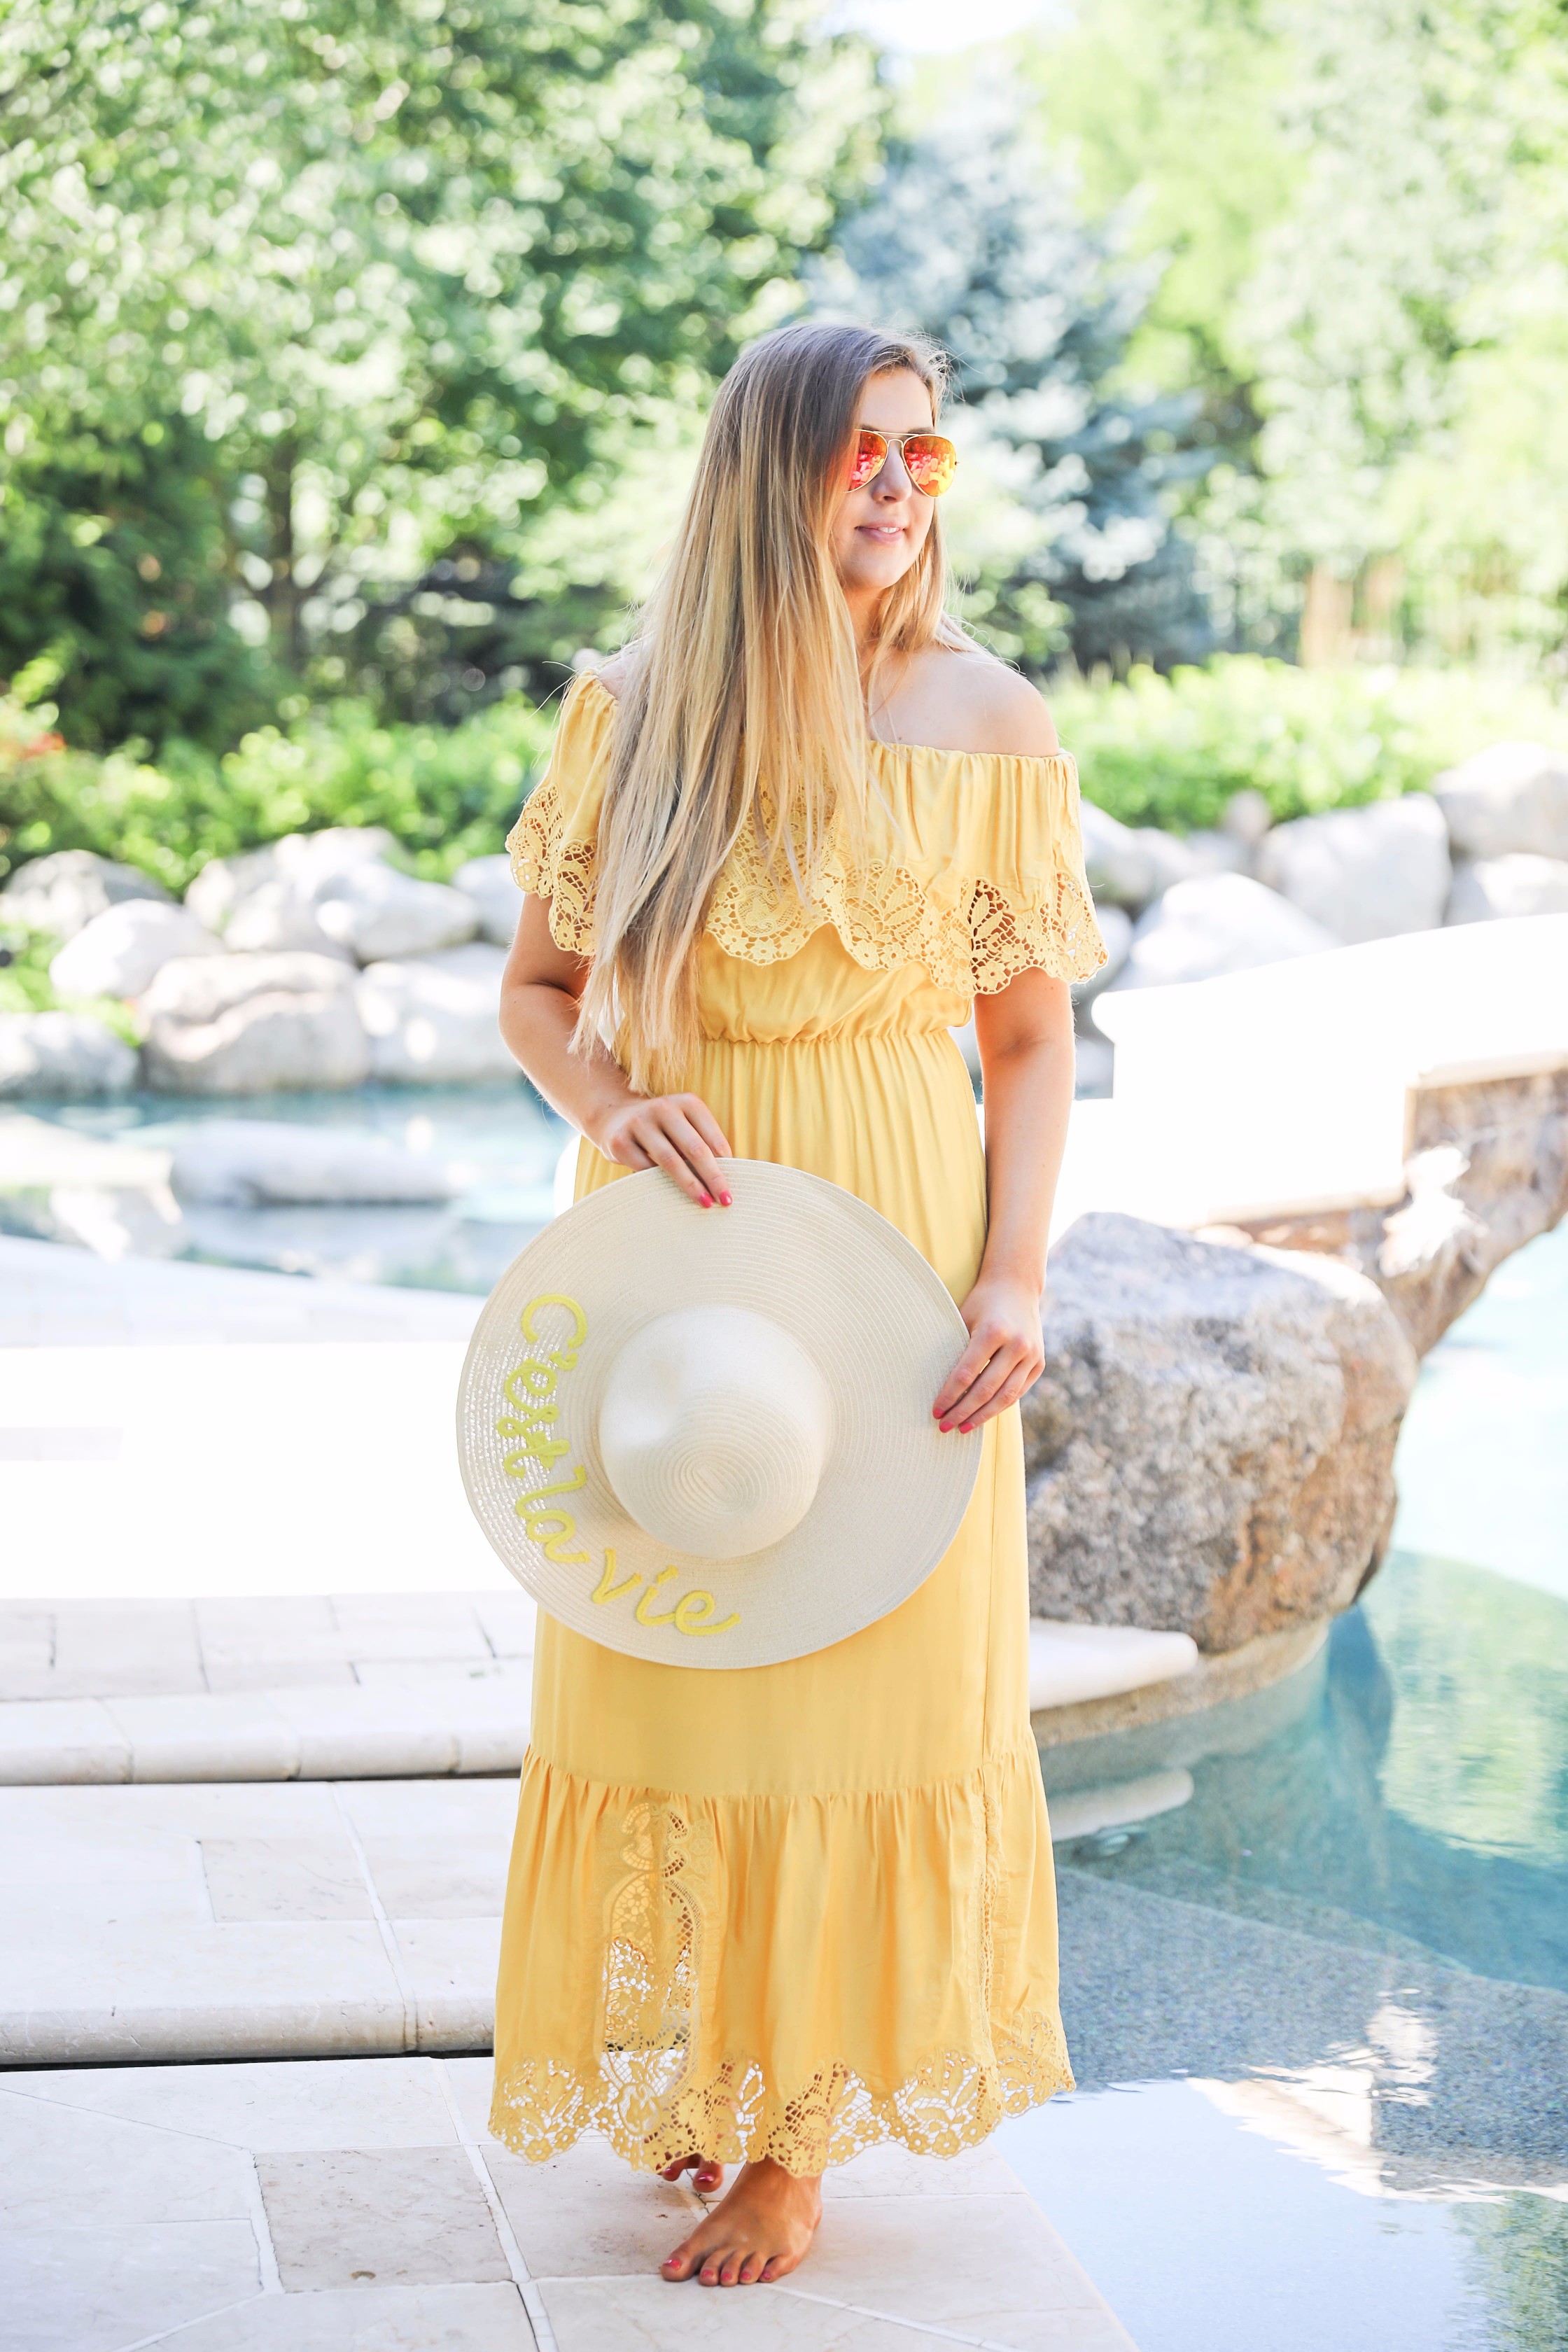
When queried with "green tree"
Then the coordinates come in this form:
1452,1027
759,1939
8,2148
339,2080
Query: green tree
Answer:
1037,309
399,275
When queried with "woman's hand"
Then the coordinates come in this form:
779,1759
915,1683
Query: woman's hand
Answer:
676,1132
1006,1354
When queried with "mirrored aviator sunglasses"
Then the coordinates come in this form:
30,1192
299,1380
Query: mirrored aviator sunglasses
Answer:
929,460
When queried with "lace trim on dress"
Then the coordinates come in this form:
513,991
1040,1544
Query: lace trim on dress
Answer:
641,2097
976,938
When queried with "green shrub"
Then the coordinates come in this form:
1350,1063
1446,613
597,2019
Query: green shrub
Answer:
1171,750
445,793
25,985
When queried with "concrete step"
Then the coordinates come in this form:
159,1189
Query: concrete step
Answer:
148,1924
361,2206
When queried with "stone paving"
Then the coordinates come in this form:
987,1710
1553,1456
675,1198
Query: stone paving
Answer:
361,2206
240,1886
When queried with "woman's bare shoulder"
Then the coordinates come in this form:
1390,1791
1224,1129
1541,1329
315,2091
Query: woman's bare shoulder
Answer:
614,670
979,703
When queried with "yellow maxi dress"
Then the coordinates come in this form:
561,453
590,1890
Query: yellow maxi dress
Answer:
791,1910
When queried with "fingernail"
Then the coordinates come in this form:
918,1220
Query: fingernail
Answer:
706,1201
728,1199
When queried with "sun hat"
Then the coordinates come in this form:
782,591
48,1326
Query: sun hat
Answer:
705,1436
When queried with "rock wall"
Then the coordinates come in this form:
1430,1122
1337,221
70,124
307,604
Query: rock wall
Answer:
1488,1171
1210,1447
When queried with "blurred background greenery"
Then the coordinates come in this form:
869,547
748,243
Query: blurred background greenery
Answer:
353,354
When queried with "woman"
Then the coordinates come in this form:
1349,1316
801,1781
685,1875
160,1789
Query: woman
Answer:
771,1917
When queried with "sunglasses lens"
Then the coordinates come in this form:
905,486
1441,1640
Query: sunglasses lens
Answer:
931,461
866,458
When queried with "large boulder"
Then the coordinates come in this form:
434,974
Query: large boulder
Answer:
381,915
254,1163
1120,867
67,1055
240,1025
274,919
1513,797
1520,884
305,861
433,1022
1210,1448
490,883
1216,923
62,893
119,952
1364,873
1116,933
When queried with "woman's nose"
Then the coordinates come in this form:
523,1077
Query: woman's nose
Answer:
892,481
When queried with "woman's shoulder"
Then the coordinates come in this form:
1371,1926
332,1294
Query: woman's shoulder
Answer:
962,699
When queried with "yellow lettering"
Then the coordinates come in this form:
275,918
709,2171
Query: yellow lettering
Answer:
691,1610
537,1379
606,1588
657,1616
566,1486
565,1356
542,1416
552,1550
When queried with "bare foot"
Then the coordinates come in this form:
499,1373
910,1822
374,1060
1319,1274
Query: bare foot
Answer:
707,2178
761,2232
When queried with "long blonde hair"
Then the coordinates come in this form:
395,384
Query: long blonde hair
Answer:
743,704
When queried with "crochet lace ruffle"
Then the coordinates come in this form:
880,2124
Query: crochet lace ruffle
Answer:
980,875
665,2043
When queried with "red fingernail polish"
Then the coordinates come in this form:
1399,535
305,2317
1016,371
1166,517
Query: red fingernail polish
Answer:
706,1202
727,1199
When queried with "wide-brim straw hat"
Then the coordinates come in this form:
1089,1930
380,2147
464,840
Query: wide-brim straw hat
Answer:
704,1436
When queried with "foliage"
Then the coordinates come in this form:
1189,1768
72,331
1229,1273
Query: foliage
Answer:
377,282
1172,751
1363,214
1521,2247
445,793
25,985
1037,316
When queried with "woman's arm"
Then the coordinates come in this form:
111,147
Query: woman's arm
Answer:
1025,1039
540,992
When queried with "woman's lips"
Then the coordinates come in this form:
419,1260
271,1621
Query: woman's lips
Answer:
881,531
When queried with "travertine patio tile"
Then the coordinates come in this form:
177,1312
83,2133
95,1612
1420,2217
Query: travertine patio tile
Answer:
358,1732
134,1992
70,1740
285,1878
103,2169
456,1877
438,1809
450,1967
398,2216
1015,2275
370,2319
891,2171
612,2313
82,2287
585,2214
190,1736
291,2103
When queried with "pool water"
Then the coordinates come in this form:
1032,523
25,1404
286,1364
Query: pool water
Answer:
502,1141
1318,2012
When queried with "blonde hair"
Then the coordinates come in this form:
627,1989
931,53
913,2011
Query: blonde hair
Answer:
743,704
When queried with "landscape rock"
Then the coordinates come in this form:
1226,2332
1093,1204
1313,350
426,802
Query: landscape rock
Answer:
489,883
1120,868
381,915
63,892
1216,923
275,918
67,1055
1247,817
1488,1171
1216,853
1518,884
249,1164
121,951
236,1025
1364,873
1116,932
433,1022
304,860
1513,797
1210,1448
